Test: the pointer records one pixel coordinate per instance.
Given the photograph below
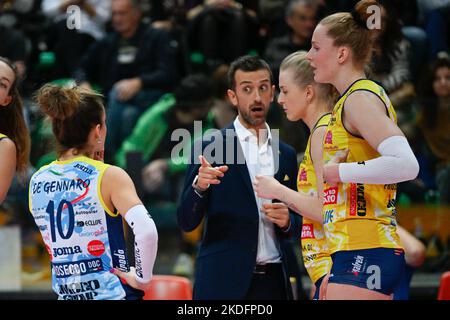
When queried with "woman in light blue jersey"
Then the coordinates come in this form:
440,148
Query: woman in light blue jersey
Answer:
78,203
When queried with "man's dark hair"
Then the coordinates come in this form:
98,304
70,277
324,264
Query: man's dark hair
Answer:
193,91
246,64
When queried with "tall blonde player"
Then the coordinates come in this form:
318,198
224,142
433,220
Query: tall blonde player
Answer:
359,195
304,99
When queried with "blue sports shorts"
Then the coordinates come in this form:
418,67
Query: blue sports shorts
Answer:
378,269
318,284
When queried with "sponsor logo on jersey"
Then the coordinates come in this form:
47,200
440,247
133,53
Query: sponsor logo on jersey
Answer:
120,260
358,265
89,223
77,268
329,137
138,262
332,120
95,233
79,290
81,212
328,216
330,195
310,257
83,168
96,248
65,251
357,200
390,186
302,176
308,231
391,205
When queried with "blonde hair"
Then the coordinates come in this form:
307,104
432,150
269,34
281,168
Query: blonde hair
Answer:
303,75
350,29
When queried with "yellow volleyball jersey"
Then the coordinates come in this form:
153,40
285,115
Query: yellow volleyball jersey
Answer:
315,254
3,136
357,215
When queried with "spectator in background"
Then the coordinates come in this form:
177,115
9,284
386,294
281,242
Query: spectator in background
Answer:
70,38
162,174
190,101
435,16
301,17
223,110
408,13
13,47
434,118
134,65
390,64
271,15
222,30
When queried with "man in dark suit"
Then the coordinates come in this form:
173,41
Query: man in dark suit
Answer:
243,248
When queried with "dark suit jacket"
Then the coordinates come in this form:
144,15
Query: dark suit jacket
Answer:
227,254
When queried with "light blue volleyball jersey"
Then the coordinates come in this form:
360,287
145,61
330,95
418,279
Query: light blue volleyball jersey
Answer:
84,238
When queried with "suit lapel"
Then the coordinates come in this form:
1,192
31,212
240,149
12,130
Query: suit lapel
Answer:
239,155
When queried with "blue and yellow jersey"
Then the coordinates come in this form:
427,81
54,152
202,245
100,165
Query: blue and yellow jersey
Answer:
357,215
84,239
315,254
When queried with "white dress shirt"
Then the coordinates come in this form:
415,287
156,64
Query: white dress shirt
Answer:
260,161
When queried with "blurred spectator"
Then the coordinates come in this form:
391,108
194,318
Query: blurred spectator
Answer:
271,15
301,17
390,64
434,118
134,65
222,30
435,15
223,110
163,172
13,44
333,6
191,101
170,15
408,14
70,38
